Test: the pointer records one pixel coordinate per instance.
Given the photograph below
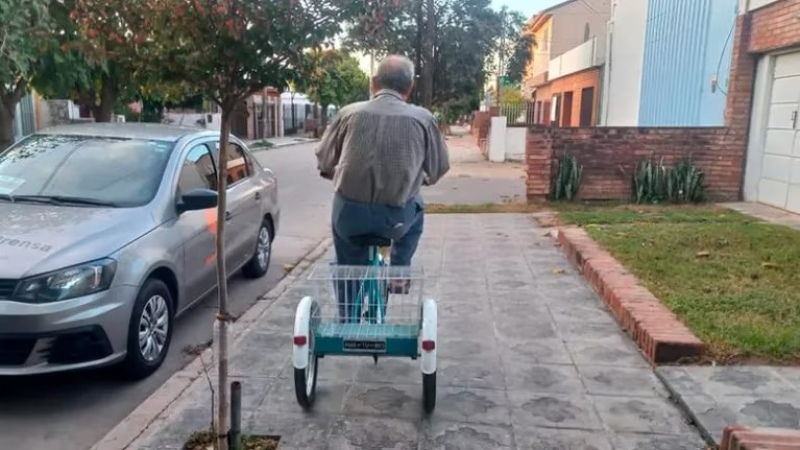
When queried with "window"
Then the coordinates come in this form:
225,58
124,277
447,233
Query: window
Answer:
239,166
121,172
198,171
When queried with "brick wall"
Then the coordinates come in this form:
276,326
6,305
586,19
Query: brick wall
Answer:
775,26
609,156
480,126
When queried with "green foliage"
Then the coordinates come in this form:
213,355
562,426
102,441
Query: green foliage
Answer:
568,179
521,44
654,182
334,78
511,94
466,34
230,49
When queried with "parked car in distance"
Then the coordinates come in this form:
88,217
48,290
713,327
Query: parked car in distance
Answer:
108,233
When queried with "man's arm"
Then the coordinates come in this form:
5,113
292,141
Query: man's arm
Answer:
437,158
330,147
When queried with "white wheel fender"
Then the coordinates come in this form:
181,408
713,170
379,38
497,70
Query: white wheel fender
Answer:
428,333
302,325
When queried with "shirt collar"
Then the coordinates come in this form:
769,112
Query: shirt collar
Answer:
389,92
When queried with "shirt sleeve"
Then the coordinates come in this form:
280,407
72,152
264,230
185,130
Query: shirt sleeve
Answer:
330,147
437,158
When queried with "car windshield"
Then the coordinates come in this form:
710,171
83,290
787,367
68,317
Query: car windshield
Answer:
83,170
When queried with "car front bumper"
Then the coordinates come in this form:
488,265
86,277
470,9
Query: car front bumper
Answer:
79,333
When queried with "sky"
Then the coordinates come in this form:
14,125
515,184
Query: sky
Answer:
526,7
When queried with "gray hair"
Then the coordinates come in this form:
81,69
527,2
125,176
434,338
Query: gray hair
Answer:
396,73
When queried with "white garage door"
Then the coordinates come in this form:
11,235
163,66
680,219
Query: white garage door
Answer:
780,171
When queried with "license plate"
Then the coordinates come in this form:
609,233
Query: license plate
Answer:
367,346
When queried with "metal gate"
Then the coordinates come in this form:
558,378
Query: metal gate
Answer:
25,119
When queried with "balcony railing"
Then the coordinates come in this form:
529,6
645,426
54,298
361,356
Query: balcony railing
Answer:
579,58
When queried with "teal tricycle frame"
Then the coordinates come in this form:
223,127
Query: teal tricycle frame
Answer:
364,330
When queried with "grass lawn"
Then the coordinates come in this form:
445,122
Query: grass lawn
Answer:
482,208
733,280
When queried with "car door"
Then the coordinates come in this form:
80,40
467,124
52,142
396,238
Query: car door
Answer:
243,208
198,227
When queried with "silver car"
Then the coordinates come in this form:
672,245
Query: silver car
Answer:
107,234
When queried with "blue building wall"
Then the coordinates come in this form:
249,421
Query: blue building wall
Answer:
687,42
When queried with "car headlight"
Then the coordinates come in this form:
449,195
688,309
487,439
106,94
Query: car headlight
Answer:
67,283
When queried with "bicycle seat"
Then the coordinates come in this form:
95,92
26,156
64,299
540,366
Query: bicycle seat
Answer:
371,240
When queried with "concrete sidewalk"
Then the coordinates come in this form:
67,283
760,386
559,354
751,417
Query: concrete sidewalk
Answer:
528,359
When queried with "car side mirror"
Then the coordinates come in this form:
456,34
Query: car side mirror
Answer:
198,199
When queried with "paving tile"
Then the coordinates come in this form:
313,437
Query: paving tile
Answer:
173,431
538,351
481,348
641,415
736,380
388,370
620,354
561,439
306,431
594,332
442,435
553,410
281,397
658,442
531,328
526,376
790,374
475,406
484,373
384,433
564,314
621,381
383,400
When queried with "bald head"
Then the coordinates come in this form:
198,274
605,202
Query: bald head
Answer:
395,73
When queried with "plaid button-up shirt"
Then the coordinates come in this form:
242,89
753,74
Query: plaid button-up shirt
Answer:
380,151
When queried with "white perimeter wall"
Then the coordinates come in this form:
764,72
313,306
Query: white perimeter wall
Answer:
624,63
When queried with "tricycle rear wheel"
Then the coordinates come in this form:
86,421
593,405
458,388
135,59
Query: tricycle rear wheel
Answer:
305,383
429,392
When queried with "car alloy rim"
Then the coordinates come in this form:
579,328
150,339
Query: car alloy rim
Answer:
153,328
263,247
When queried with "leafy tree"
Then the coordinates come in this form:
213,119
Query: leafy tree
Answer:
228,50
521,45
94,54
334,78
24,30
510,94
465,34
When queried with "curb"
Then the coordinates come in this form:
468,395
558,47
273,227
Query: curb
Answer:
264,148
654,328
746,438
139,420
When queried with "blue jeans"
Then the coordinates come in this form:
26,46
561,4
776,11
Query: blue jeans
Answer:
403,225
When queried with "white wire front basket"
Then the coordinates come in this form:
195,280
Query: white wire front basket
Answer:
366,301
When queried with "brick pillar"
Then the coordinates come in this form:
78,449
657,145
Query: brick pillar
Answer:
742,74
740,94
539,161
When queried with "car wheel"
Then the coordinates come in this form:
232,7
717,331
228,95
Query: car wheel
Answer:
259,264
150,330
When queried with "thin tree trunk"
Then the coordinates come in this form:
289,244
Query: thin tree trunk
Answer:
324,118
222,282
427,67
108,97
6,127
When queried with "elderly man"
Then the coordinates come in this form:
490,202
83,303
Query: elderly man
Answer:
378,154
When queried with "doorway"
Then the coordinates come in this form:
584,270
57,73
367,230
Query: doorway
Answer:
566,120
587,106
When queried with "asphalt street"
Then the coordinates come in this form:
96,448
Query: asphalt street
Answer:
73,411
